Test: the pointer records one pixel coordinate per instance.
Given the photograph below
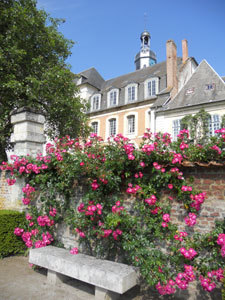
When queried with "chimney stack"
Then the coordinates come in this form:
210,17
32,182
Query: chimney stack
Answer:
185,50
171,66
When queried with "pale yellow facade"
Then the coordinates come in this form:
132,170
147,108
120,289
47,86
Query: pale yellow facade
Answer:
142,121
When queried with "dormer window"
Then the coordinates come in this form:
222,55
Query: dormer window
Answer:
113,96
95,102
131,93
151,87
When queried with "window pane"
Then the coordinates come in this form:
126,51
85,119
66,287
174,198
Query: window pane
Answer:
94,126
214,124
149,88
131,93
112,127
131,124
113,96
95,103
153,87
176,128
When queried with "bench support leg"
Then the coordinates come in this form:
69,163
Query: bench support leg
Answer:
102,294
55,278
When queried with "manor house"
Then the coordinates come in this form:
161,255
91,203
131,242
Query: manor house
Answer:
157,95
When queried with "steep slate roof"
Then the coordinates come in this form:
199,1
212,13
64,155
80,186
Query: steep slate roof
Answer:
203,75
92,77
157,70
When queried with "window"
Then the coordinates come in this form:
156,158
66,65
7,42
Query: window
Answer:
131,93
94,126
95,102
151,87
176,129
112,127
113,97
214,124
210,86
189,91
131,124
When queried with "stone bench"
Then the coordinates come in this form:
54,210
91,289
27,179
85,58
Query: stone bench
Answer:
109,278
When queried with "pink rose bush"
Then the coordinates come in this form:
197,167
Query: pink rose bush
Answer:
122,212
74,250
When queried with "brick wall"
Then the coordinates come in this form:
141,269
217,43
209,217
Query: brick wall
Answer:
212,181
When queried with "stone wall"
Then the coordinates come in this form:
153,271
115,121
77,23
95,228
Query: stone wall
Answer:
210,180
28,139
10,196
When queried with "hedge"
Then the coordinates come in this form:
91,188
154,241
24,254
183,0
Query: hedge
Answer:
10,244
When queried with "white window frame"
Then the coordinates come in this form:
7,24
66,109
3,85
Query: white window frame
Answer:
114,92
128,92
92,102
108,127
126,125
214,124
148,119
96,122
146,84
176,127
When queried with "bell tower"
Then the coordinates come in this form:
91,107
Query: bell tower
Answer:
145,57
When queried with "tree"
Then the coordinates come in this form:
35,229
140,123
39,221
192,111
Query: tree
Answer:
34,72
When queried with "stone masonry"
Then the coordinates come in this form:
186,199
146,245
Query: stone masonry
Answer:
28,138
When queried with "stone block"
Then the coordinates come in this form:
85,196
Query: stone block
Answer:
103,294
55,278
27,116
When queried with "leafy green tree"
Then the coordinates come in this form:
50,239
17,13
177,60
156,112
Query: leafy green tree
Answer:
34,72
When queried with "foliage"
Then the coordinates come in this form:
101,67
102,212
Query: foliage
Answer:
223,290
33,71
9,243
198,126
125,210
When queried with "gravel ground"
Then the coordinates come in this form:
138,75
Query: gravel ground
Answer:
18,281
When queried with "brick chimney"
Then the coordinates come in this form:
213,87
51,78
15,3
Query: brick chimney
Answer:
184,50
171,67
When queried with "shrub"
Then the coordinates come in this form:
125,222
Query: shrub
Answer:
223,290
140,233
10,244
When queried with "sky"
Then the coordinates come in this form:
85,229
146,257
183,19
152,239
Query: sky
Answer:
107,32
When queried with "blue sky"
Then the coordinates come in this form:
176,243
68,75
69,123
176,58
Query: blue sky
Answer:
107,32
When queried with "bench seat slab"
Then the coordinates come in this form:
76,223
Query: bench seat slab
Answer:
108,275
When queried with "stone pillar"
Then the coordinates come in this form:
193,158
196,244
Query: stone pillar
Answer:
28,138
28,131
